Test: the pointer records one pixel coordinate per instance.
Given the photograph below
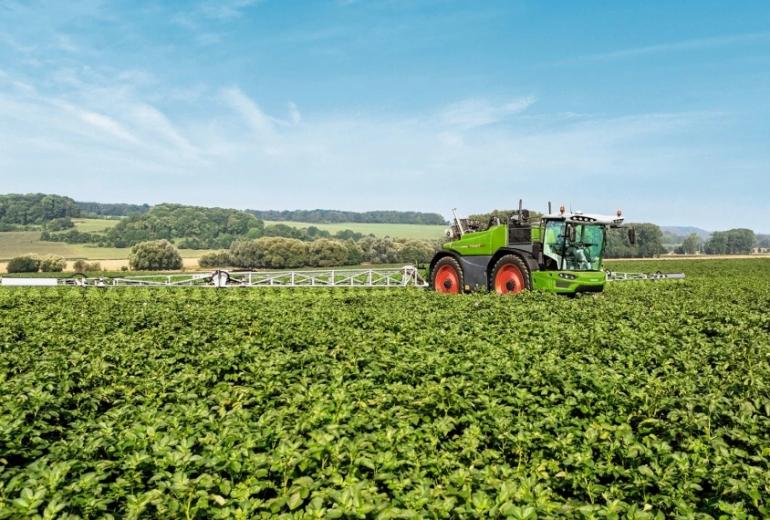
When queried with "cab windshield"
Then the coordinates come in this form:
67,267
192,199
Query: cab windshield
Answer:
584,253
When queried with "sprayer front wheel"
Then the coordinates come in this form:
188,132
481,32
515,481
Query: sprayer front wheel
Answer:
447,276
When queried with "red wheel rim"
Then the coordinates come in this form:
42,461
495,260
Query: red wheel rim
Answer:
447,280
509,280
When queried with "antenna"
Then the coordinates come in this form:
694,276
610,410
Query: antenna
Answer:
457,221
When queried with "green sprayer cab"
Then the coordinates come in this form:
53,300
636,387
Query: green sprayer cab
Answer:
558,252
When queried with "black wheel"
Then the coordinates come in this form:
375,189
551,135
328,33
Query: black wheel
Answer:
447,276
510,275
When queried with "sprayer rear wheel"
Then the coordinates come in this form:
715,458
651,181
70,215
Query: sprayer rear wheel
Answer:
510,275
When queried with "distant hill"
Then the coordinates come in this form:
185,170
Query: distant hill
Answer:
683,231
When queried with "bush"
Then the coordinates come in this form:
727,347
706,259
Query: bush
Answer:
52,264
23,264
246,253
72,236
82,267
380,250
355,254
417,252
269,252
216,259
327,253
60,224
154,255
283,252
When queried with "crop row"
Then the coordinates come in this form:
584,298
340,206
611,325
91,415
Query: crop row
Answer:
647,401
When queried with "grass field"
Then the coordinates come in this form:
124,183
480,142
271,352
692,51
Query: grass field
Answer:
24,242
649,400
418,231
94,225
15,243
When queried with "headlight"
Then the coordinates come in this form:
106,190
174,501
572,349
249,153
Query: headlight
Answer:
567,276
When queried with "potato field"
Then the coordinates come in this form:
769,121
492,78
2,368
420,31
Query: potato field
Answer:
650,400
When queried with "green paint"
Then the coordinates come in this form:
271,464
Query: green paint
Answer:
551,281
480,243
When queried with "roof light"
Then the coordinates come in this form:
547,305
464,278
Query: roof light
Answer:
620,213
561,209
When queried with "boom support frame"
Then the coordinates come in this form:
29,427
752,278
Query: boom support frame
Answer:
407,276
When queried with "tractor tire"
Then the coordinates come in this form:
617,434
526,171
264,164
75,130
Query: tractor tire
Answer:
447,276
510,275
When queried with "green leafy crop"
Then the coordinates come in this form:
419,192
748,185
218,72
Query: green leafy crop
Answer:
650,400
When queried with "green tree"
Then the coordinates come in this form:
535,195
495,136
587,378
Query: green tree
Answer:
740,241
60,224
417,252
649,239
279,252
247,254
154,255
716,244
216,259
83,267
35,208
325,252
270,252
380,250
355,254
193,227
692,244
649,242
23,264
52,264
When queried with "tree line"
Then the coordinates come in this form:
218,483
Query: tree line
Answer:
102,209
281,252
189,227
330,216
649,242
35,208
731,242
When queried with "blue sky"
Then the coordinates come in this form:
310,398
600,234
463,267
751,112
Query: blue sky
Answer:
659,108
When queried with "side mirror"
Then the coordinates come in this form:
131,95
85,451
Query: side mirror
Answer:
632,236
571,233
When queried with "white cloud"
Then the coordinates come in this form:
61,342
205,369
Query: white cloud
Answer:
472,113
294,115
225,9
684,45
105,124
474,153
259,122
153,121
65,43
